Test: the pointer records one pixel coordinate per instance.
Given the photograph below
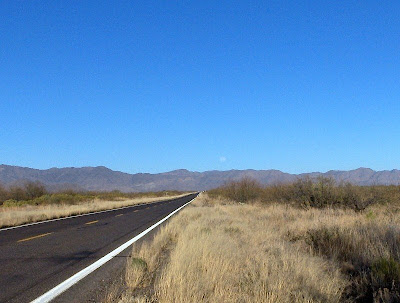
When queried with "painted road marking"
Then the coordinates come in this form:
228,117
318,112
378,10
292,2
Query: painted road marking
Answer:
60,288
119,215
34,237
92,222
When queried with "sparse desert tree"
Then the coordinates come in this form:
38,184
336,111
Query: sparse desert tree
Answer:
17,193
34,190
244,190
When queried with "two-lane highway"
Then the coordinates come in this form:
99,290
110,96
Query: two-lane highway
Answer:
36,258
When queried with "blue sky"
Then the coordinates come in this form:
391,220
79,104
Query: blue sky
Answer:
152,86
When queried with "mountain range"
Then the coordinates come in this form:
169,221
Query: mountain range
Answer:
101,178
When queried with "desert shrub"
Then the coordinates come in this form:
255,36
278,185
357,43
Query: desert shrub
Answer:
306,192
367,253
385,280
11,203
244,190
17,193
339,244
325,192
29,191
385,272
4,195
34,190
63,198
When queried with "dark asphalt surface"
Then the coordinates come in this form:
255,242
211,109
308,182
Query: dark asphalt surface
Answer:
32,267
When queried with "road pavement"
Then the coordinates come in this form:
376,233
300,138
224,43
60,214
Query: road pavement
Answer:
36,258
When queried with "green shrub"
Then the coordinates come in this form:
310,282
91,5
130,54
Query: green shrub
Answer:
385,273
13,203
373,279
139,263
10,203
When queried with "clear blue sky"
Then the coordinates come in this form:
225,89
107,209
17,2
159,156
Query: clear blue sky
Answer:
152,86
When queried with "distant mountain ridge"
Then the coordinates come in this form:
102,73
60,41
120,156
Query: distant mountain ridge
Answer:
102,178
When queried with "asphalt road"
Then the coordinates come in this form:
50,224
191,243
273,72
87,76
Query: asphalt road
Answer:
36,258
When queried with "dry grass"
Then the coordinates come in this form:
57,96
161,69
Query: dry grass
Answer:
221,251
232,253
11,216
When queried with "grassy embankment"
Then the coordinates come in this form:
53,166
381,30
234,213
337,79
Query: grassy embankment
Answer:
31,202
303,242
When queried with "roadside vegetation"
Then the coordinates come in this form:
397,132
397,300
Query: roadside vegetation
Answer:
311,241
306,193
31,202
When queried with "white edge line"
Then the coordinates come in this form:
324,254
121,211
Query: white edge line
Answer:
60,288
87,214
